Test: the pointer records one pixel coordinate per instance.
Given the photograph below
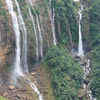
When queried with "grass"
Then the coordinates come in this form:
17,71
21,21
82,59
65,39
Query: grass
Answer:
2,98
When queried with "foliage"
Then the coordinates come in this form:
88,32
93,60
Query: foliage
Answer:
94,23
65,12
2,98
95,84
94,38
66,74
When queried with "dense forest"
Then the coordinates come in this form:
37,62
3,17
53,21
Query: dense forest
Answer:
49,49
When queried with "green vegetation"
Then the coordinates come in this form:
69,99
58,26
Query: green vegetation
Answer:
94,23
66,74
66,22
2,98
94,37
95,80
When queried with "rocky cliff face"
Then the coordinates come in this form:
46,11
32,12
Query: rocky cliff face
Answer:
7,39
7,36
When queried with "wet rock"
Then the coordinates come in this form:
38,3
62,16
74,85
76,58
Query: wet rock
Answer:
33,73
11,87
18,96
5,94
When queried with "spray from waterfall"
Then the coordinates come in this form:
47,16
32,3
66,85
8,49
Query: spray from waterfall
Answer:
17,63
80,45
24,33
52,19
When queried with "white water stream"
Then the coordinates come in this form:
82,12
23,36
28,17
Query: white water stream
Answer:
80,45
86,68
17,69
34,87
40,36
39,46
36,37
87,71
24,33
52,19
17,63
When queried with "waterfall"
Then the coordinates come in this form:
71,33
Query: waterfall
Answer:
30,2
87,71
40,36
52,19
76,0
34,87
36,37
24,32
17,63
80,45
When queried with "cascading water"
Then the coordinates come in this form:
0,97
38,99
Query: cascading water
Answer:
30,2
33,86
24,32
76,0
87,71
17,64
80,45
52,19
86,68
40,36
36,37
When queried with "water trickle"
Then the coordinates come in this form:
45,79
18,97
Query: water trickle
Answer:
52,19
76,0
24,32
80,45
40,36
33,86
17,63
30,2
39,51
87,71
36,37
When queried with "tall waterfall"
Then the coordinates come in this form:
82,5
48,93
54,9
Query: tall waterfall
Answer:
36,37
40,36
39,51
24,32
52,19
80,45
17,63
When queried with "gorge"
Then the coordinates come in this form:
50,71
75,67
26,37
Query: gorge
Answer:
49,50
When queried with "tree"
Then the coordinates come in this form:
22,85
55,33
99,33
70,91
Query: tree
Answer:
66,74
95,83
